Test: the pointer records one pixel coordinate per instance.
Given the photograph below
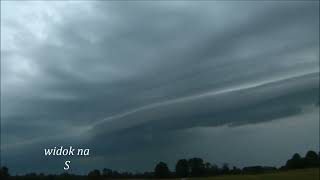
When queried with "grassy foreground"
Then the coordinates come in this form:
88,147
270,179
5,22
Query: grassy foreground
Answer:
302,174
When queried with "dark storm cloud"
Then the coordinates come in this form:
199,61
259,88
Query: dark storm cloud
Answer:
135,71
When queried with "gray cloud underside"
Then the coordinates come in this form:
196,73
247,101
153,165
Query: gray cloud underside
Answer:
132,72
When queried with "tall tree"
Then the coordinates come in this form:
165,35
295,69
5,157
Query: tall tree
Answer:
311,159
197,167
161,170
182,168
311,155
295,162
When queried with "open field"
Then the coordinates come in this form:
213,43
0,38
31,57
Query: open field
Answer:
303,174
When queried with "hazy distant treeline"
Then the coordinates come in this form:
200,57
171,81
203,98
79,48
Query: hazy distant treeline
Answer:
194,167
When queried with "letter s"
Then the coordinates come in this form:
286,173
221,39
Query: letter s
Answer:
66,165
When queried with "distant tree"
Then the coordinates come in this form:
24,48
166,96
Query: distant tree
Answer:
282,168
148,175
214,170
311,155
161,170
259,169
115,174
197,167
235,170
4,173
207,169
225,168
182,168
32,174
295,162
311,159
252,169
106,172
207,165
296,156
95,174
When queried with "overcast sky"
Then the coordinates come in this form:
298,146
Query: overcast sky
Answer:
142,82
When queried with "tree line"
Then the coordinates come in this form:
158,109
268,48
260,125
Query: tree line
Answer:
194,167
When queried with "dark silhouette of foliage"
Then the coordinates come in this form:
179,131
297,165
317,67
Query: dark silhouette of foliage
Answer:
311,155
295,162
182,168
225,168
258,169
213,170
95,174
196,166
4,173
107,172
235,170
161,170
311,159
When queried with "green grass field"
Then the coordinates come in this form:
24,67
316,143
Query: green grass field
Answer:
304,174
